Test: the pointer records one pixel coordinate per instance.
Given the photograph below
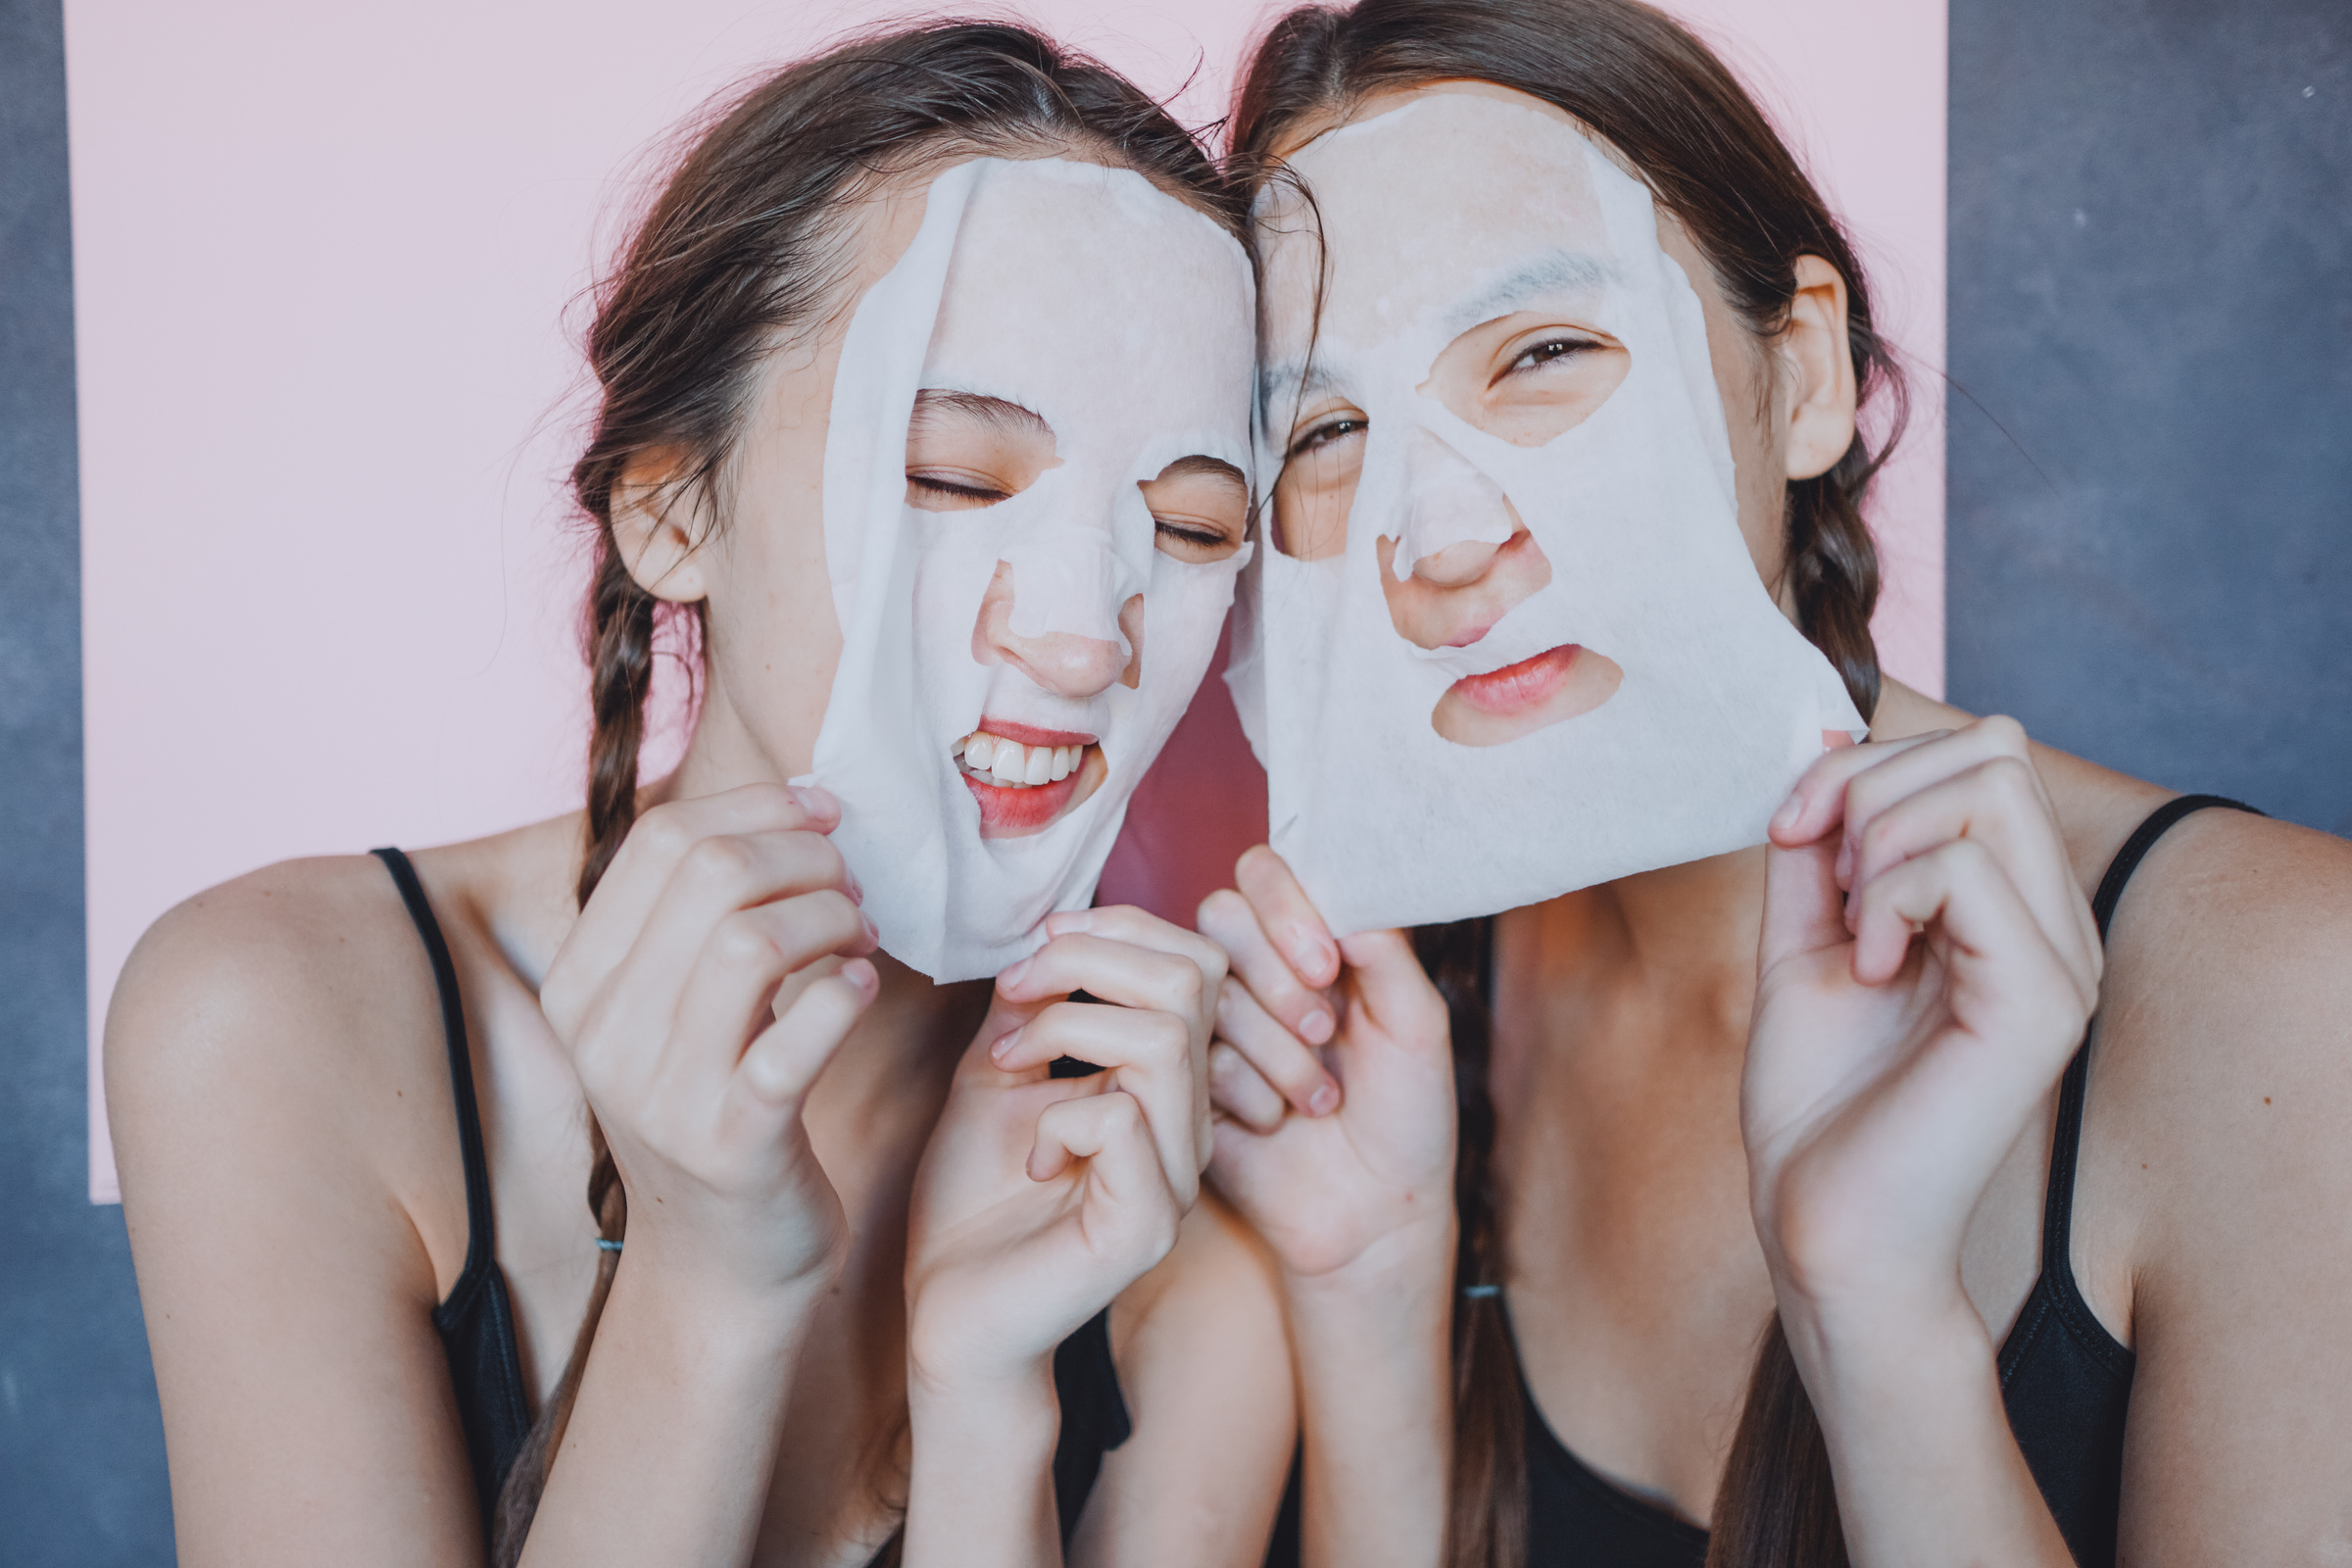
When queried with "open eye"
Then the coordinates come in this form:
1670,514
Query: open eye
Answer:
1550,351
1322,433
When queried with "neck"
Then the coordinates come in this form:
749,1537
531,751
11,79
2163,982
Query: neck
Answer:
1643,973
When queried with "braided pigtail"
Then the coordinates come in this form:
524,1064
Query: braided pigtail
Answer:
1639,81
1487,1518
743,250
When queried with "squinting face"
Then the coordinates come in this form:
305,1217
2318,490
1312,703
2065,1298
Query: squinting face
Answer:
1036,496
1511,640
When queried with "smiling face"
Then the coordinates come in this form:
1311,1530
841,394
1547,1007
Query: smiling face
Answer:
1512,639
1036,501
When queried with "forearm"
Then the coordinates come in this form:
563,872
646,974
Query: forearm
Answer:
671,1446
980,1485
1928,1472
1376,1407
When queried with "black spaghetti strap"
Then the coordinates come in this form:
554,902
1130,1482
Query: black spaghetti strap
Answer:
2058,1211
480,1239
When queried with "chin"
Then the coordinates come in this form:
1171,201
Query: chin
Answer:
1555,686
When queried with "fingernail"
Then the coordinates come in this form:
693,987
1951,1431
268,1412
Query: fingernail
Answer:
856,888
1785,818
873,932
1316,1027
816,800
1012,973
1004,1046
1846,863
1324,1101
1064,920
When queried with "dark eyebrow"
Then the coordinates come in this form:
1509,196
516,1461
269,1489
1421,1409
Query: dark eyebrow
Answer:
1553,270
1010,418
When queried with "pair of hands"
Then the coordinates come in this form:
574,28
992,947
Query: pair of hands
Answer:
718,966
1928,966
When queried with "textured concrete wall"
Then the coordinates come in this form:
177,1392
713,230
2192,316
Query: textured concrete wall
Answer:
2150,499
81,1446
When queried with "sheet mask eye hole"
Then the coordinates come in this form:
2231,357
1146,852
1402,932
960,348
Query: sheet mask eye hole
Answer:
1528,378
1317,484
965,450
1200,508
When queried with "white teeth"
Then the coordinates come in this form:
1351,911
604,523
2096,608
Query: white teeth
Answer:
1063,761
1011,764
978,749
1041,766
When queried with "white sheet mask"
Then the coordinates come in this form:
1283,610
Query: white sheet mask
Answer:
1121,318
1452,213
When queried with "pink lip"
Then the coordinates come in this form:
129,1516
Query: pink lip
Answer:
1522,685
1031,735
1009,812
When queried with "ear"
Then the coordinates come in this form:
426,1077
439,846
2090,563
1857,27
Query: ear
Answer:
651,525
1816,371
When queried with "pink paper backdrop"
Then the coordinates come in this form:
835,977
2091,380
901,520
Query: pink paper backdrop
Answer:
327,268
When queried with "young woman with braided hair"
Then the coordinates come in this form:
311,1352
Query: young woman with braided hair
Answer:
1813,1096
842,1281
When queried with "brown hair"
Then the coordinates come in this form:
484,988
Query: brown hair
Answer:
1642,83
742,249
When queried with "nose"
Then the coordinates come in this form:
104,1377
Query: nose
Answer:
1067,663
1456,565
1456,519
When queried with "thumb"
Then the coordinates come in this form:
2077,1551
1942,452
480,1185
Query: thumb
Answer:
1392,988
1805,909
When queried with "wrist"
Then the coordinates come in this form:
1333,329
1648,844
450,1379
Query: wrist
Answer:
1890,1354
1411,1263
716,1309
1009,1415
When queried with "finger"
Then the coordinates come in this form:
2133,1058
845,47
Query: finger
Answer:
1149,1054
1390,985
729,993
1227,919
1118,972
660,839
1805,909
717,877
1128,1197
1240,1092
787,1056
1998,805
1280,1057
1958,887
1288,915
1817,802
1139,928
1902,774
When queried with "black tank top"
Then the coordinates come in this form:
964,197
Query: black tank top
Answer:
2065,1381
476,1321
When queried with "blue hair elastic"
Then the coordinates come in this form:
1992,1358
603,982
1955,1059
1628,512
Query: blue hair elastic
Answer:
603,1246
1480,1292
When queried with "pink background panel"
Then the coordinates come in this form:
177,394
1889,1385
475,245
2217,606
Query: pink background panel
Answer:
328,265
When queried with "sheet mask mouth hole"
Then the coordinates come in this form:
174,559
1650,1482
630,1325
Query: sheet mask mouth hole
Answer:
1024,789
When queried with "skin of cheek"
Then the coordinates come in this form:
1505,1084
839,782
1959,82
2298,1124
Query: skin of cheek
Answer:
774,640
1753,413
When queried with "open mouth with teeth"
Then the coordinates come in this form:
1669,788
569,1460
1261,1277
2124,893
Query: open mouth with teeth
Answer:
1026,778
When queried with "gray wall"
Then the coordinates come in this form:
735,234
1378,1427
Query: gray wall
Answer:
82,1448
2151,293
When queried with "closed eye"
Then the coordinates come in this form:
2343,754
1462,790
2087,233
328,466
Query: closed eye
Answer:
957,490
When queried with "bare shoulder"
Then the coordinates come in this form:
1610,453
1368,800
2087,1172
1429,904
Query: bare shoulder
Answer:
277,1032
